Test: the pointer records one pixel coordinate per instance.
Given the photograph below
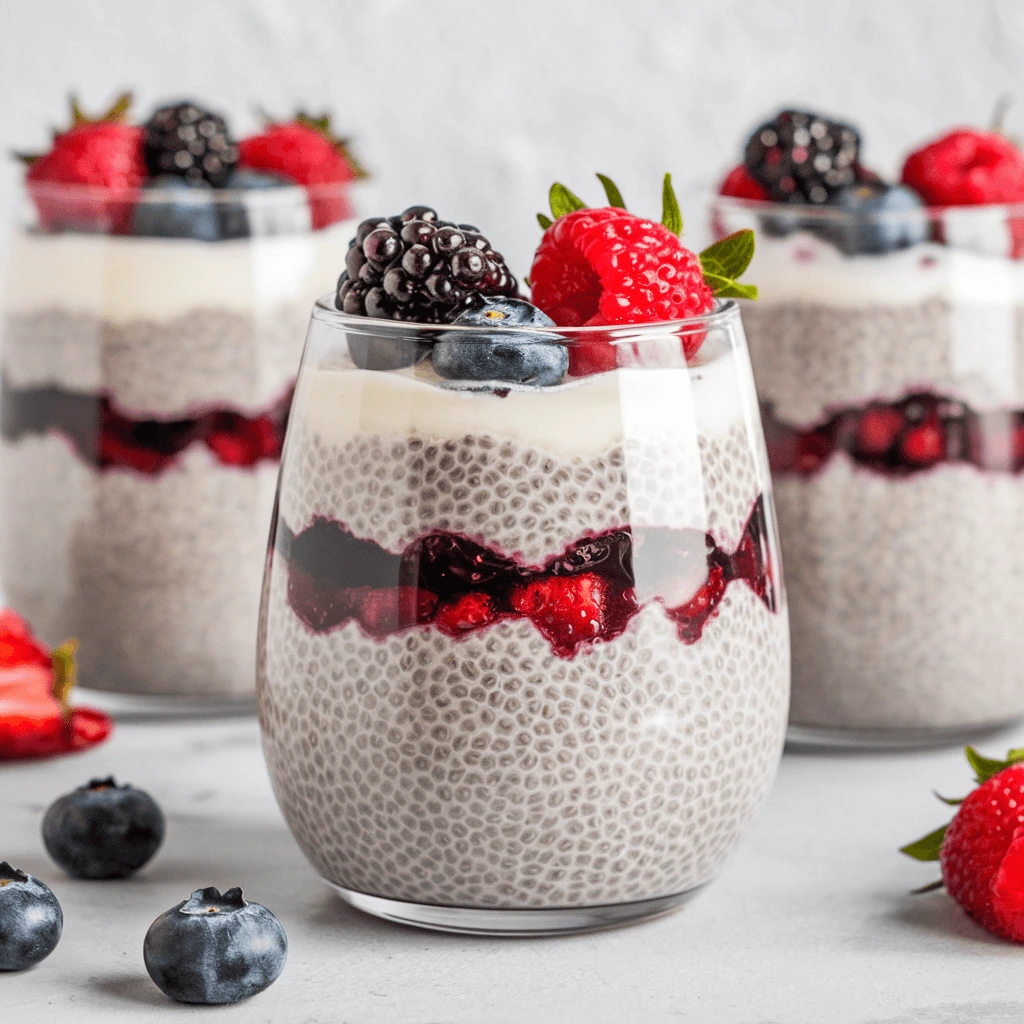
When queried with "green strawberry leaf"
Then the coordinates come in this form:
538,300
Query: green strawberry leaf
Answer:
563,201
930,887
927,847
986,767
611,190
732,253
544,221
671,215
953,801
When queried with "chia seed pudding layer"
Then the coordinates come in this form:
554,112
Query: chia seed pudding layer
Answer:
159,577
488,770
901,585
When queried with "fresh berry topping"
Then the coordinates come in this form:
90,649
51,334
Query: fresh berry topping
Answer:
875,224
104,153
981,851
36,719
31,920
567,610
306,152
103,830
506,349
417,268
738,184
966,167
800,157
186,140
215,948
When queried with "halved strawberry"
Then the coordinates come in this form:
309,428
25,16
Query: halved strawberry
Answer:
36,719
471,611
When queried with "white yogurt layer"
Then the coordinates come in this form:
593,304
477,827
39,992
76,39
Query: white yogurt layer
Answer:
804,268
120,279
582,417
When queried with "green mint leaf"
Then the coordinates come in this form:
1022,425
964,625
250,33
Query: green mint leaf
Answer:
732,254
930,887
563,201
723,287
927,847
544,221
953,801
671,215
984,767
611,190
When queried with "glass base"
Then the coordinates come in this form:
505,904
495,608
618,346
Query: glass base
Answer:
138,707
496,921
823,738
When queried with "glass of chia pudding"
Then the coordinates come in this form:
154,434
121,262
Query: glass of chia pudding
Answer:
888,349
523,661
156,302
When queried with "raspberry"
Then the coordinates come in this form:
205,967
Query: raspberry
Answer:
877,429
966,167
607,266
305,152
691,617
926,443
740,185
104,155
567,610
468,612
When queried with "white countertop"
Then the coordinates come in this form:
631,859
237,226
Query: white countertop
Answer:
810,921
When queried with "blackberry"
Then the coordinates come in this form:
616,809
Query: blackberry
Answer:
186,140
418,268
800,157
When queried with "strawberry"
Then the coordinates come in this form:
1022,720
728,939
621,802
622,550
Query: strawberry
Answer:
567,610
104,155
740,185
464,614
608,267
981,851
691,617
305,151
35,717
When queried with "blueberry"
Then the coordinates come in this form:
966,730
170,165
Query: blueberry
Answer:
103,830
518,357
215,948
276,207
174,207
882,218
30,920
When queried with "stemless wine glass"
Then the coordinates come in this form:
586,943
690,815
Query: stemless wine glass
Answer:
151,341
889,357
523,660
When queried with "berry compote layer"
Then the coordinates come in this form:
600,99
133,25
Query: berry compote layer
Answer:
523,647
892,393
145,385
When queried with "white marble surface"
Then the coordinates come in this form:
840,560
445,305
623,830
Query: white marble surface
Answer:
810,921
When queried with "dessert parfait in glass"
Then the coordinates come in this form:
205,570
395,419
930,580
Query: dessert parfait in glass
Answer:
523,661
888,348
155,309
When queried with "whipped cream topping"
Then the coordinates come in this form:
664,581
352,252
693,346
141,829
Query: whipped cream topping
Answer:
581,417
122,279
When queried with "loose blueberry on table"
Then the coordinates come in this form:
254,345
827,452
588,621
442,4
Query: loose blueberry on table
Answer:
215,948
103,830
31,920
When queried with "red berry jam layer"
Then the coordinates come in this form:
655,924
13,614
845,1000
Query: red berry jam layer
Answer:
587,593
105,437
900,438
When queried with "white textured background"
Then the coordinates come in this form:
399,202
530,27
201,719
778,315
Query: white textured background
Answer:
477,105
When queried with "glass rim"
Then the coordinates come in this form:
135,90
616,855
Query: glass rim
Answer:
724,311
808,211
138,195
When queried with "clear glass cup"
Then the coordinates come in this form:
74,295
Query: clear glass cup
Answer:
523,661
889,358
146,381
